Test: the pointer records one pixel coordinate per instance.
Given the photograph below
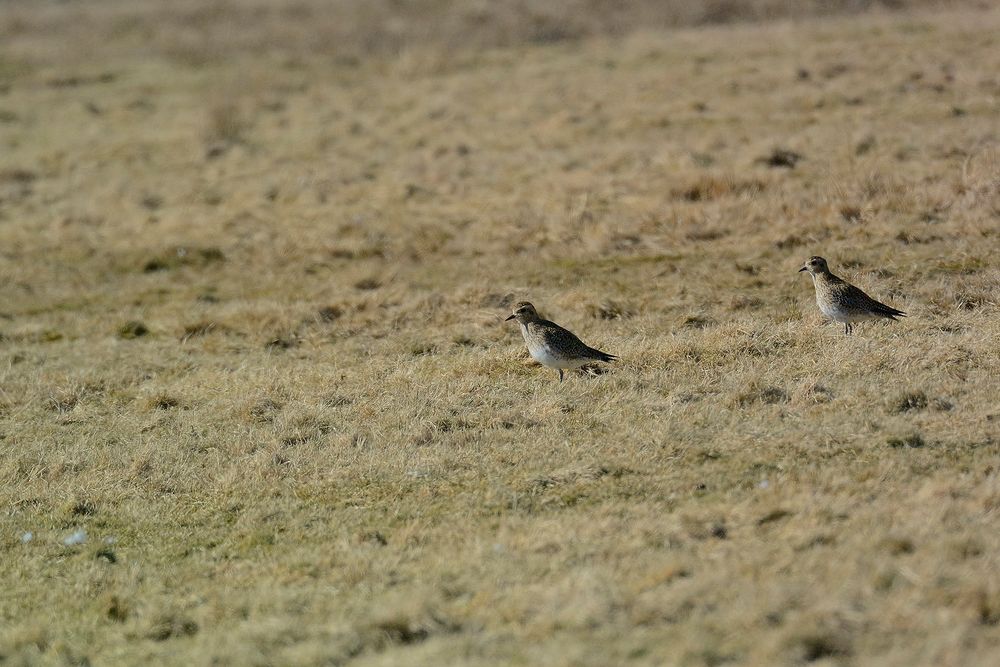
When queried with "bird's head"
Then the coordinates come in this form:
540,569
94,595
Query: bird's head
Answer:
523,312
815,266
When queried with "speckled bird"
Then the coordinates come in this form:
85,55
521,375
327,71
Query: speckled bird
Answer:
843,302
551,345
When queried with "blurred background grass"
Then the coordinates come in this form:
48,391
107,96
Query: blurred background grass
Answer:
350,29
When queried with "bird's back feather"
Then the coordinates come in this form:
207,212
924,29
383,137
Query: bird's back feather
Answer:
852,299
561,342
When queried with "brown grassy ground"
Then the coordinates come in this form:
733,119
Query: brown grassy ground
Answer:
252,345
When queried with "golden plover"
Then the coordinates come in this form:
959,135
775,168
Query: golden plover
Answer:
843,302
551,345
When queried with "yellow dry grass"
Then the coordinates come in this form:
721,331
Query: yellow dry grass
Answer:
251,344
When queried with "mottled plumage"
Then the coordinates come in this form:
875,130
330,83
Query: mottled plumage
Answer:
843,302
551,345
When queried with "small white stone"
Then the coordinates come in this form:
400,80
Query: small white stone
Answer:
78,536
763,484
27,536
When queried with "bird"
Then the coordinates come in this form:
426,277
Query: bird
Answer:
551,345
843,302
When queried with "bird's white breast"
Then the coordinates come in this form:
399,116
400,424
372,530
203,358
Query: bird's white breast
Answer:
541,354
832,311
537,352
842,315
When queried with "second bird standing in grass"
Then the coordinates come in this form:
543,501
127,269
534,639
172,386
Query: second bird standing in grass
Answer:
551,345
843,302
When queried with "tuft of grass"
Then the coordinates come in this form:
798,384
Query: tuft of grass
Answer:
282,342
264,410
909,402
203,328
610,310
696,322
163,402
183,256
767,395
851,213
986,607
171,626
227,125
708,188
781,157
911,441
329,313
816,646
151,202
116,609
80,508
132,329
898,545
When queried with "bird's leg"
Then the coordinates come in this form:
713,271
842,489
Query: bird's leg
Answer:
560,374
847,328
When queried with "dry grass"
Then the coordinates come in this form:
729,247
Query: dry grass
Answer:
258,406
196,33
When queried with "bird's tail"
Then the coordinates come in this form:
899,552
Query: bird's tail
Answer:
889,312
602,356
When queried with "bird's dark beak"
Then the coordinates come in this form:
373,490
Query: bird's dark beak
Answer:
509,318
803,269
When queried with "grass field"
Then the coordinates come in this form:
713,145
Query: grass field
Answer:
258,404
